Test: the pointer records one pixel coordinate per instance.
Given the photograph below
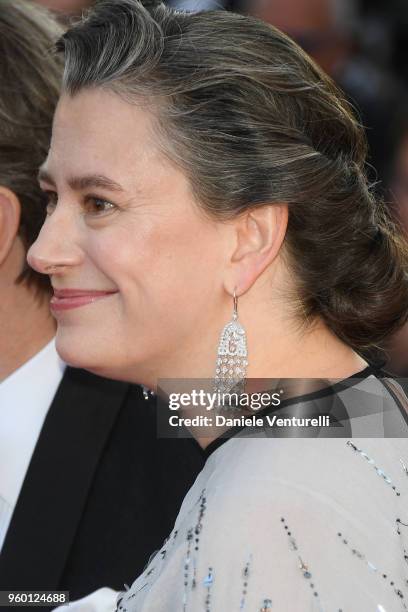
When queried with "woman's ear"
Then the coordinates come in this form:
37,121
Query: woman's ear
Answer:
259,236
10,212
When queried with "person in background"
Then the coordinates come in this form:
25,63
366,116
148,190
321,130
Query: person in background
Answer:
329,31
397,347
66,9
197,5
399,174
70,441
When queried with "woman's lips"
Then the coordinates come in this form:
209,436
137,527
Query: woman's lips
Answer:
66,299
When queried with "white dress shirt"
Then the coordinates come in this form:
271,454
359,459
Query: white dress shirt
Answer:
25,398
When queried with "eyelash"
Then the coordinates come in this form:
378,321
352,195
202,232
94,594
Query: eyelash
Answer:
52,200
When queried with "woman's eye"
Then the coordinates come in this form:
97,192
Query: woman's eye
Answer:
97,206
51,199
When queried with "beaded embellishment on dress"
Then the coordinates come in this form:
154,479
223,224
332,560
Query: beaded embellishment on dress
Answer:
201,582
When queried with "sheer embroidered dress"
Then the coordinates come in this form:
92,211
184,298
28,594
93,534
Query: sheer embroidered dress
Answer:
293,524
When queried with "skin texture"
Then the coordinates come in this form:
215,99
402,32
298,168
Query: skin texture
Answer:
174,270
26,325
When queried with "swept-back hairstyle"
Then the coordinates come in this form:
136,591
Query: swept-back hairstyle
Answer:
252,120
30,79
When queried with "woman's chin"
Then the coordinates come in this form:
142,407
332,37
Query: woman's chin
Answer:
78,351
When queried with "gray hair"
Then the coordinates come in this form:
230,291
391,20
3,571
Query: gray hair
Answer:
251,120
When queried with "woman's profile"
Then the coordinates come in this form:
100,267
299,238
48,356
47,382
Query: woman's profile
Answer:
209,217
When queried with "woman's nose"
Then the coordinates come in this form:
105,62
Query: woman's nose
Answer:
55,250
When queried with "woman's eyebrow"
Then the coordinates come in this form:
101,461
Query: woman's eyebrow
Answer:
80,183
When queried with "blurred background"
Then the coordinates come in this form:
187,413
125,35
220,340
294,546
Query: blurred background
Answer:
362,45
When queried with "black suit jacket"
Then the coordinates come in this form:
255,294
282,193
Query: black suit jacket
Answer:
101,492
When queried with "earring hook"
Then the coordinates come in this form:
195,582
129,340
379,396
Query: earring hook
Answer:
235,305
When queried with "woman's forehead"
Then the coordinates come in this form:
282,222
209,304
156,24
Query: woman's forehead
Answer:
96,132
101,116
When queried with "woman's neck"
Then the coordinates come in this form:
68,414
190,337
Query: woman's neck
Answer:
315,353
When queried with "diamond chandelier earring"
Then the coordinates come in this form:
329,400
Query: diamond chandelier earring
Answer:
232,358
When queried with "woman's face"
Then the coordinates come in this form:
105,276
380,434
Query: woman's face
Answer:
136,267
